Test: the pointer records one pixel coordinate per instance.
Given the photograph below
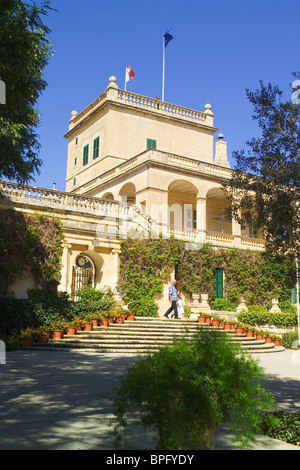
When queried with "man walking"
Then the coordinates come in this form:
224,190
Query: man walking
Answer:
173,300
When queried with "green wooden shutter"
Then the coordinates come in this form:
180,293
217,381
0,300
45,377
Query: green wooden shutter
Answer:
85,155
151,144
96,148
219,283
294,295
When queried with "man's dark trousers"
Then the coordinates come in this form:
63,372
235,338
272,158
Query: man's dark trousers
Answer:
173,307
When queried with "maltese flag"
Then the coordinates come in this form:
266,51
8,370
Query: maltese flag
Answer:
129,74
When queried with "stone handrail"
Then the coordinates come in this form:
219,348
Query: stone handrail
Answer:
46,197
162,107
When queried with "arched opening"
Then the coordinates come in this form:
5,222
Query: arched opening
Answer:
217,219
128,194
83,274
108,196
182,201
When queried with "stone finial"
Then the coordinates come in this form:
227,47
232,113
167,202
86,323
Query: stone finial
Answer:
112,82
73,114
275,308
208,110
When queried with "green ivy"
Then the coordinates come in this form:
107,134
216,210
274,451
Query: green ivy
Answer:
29,243
145,265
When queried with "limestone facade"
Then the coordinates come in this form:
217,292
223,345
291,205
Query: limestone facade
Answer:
137,166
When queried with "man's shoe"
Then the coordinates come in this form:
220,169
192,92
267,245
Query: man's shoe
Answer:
166,316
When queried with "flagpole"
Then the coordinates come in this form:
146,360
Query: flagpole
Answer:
125,79
163,77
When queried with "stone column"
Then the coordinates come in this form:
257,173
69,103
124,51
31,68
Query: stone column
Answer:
201,219
116,263
63,287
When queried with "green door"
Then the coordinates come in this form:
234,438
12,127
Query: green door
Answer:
219,283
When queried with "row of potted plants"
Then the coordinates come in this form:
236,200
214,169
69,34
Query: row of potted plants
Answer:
240,329
71,327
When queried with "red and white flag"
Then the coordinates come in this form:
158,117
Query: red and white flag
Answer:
129,74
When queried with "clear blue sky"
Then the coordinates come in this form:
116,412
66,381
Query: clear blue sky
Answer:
220,48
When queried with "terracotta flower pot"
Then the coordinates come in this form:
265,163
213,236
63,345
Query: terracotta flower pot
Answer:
57,334
95,322
42,338
71,330
130,317
27,342
105,322
276,342
215,323
259,336
268,339
227,326
207,319
120,320
249,334
201,319
88,327
239,330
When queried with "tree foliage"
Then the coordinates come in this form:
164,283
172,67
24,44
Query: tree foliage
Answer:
265,186
186,390
29,243
24,53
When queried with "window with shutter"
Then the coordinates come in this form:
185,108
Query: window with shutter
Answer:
85,155
96,148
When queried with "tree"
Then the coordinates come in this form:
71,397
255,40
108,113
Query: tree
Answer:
24,53
264,190
187,389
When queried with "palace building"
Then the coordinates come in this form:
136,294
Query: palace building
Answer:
136,166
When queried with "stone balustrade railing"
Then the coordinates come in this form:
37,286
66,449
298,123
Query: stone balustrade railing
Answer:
42,197
115,94
130,214
151,104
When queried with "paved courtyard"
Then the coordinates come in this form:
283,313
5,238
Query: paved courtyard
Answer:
56,400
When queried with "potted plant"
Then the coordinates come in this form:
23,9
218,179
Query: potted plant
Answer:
201,317
130,316
43,334
71,328
227,325
259,335
208,318
239,329
88,324
268,337
27,337
215,320
276,340
58,329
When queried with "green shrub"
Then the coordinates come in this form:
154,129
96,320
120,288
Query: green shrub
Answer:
185,390
288,339
224,304
259,315
285,427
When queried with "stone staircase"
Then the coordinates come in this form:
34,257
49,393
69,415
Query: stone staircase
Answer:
143,335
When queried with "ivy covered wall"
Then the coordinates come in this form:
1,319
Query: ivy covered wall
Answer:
29,243
145,265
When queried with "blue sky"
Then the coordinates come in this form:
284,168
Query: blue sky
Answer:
220,48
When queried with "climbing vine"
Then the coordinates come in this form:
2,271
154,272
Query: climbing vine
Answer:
29,243
147,264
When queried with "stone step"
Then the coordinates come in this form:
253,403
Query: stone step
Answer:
143,335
